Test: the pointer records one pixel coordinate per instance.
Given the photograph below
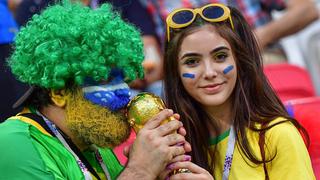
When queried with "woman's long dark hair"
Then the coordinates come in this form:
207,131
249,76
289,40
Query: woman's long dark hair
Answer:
253,100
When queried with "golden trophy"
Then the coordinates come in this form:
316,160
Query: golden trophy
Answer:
142,108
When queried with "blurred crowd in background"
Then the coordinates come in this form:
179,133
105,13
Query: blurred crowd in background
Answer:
288,33
272,20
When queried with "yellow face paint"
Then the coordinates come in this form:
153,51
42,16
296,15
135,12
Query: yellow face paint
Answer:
94,124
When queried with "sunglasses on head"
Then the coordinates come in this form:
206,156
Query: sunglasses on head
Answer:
183,17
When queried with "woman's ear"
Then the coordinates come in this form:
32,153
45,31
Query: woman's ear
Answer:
59,97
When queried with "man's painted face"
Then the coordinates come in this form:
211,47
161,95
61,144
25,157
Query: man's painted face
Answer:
93,124
113,95
92,112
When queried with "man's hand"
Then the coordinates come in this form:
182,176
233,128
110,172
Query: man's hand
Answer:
155,146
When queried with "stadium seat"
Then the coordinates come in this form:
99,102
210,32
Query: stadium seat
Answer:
307,112
289,81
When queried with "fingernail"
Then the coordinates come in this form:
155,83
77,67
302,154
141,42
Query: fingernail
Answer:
180,144
170,166
187,158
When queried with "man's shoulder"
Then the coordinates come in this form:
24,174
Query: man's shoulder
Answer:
18,156
14,136
13,128
27,151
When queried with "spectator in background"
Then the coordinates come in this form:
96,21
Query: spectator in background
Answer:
149,16
27,8
297,15
133,12
10,87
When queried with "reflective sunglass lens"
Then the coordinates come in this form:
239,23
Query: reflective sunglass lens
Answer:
213,12
182,17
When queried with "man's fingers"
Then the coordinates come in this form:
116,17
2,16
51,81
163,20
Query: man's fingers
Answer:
176,151
157,119
180,158
176,116
169,127
164,175
182,131
187,147
175,139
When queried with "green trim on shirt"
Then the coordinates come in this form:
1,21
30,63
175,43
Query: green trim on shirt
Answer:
216,140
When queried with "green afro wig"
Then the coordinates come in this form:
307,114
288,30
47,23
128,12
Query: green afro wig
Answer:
68,43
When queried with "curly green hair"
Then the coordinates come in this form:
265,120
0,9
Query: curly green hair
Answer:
68,43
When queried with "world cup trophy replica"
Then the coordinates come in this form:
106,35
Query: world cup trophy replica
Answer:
142,108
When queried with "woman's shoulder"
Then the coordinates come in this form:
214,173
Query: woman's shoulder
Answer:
283,133
279,131
292,160
282,127
276,126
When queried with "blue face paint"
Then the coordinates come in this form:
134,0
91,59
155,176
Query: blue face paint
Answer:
113,95
188,75
227,69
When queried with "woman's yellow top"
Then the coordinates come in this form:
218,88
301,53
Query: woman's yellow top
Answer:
292,160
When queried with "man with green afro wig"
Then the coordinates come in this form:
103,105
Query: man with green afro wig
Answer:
78,62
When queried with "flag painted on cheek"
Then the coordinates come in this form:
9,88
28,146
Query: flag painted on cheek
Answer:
113,99
227,69
188,75
114,95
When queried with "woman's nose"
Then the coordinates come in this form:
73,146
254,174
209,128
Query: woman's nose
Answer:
209,70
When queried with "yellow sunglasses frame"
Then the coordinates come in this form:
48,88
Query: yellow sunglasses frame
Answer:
173,25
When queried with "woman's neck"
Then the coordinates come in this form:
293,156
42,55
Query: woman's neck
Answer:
222,115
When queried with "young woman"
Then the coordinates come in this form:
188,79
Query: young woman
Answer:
237,126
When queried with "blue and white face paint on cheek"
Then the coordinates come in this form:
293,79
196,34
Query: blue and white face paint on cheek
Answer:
228,69
189,75
114,95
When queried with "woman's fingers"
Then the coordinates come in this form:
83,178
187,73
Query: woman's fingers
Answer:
187,165
196,172
168,169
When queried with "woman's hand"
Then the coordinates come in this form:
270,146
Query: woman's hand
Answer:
196,172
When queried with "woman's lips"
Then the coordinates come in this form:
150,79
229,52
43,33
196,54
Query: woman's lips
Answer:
212,88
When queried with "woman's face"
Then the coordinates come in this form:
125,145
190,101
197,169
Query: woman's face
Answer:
207,67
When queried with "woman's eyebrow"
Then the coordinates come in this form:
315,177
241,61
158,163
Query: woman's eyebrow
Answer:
219,49
190,54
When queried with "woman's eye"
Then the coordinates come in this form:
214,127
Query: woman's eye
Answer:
191,62
221,56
